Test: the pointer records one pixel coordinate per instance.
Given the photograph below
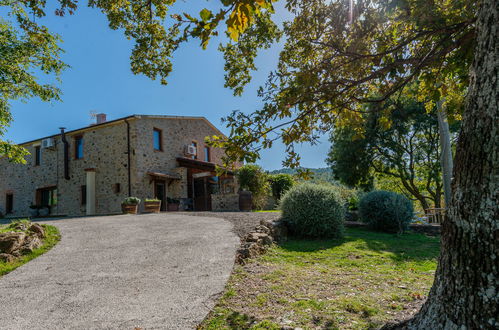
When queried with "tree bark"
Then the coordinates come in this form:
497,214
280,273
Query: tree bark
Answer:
446,152
465,294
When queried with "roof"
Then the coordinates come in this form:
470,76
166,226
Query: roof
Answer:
135,116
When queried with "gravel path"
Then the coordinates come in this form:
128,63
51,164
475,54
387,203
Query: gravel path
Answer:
243,222
161,271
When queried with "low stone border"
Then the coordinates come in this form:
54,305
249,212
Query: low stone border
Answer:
257,241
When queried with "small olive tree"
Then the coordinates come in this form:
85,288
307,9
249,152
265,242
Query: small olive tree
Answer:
253,178
280,183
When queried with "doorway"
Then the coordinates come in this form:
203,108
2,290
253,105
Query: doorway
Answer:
160,193
9,203
202,194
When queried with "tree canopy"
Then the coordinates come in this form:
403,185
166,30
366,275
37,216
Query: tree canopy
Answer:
407,151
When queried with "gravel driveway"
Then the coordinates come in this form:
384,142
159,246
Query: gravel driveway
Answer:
161,271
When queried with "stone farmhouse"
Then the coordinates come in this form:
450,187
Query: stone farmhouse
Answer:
91,170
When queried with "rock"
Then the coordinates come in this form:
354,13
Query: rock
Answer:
11,241
265,240
255,250
262,229
37,229
20,226
16,254
255,237
6,257
30,243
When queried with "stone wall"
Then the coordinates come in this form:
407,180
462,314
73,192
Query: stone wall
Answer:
105,150
225,202
176,134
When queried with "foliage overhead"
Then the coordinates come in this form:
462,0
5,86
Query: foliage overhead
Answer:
332,64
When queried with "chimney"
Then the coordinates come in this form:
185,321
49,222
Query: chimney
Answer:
101,118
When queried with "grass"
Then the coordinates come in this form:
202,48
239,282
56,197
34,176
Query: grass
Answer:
266,211
358,282
52,236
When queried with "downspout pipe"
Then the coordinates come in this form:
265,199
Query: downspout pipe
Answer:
128,152
66,153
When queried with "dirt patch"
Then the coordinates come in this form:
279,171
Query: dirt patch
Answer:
244,222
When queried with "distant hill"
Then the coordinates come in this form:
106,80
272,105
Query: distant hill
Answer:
324,174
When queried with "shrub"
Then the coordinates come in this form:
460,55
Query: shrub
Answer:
313,211
280,183
386,211
131,201
251,177
152,200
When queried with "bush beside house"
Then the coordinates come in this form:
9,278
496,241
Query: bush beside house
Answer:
314,211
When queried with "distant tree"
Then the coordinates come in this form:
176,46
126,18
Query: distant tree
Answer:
349,160
406,149
280,183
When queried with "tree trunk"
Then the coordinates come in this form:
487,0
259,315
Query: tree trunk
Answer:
465,294
445,152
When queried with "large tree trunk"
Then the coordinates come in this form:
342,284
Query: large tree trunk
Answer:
465,294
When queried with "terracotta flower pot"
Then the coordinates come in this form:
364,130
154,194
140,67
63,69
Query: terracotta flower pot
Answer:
130,208
152,207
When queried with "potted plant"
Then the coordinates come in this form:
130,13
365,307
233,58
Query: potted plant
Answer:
172,204
34,212
130,205
152,205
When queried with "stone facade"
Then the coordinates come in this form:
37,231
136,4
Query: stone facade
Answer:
105,153
225,202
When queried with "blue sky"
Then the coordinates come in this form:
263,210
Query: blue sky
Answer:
100,80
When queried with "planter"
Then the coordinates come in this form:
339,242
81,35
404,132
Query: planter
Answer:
130,208
172,207
152,207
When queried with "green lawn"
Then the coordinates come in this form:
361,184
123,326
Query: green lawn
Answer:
358,282
52,236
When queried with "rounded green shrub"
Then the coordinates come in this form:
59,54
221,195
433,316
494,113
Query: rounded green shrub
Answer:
314,211
386,211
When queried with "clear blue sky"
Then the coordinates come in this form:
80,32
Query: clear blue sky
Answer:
100,80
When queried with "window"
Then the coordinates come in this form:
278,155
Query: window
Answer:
78,147
46,196
195,145
9,203
157,140
38,155
206,154
83,195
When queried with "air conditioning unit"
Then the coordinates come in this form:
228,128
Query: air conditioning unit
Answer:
47,143
190,150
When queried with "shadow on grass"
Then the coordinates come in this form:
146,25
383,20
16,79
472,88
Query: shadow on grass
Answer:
405,247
